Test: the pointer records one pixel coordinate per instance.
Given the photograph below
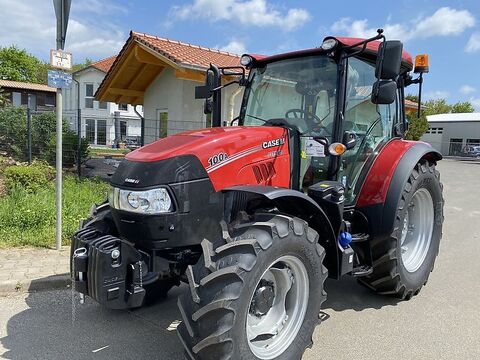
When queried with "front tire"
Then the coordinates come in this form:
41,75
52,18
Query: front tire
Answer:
403,262
255,294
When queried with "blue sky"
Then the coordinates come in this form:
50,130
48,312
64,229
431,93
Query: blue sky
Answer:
449,31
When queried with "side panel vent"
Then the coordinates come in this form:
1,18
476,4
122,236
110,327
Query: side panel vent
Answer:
264,172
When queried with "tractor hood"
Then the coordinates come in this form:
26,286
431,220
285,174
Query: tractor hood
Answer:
226,155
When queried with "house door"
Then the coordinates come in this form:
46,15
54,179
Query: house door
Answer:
90,130
455,147
96,131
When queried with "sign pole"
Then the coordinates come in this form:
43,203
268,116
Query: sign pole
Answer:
62,11
58,180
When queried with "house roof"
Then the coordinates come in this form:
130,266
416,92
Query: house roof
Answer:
454,117
26,86
187,54
104,64
144,57
411,104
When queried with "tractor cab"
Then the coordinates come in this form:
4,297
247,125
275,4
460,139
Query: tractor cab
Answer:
341,102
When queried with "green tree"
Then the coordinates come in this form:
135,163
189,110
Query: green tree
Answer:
4,100
411,97
417,126
437,106
463,107
84,64
18,65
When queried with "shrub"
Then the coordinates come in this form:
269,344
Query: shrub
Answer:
13,131
29,178
13,137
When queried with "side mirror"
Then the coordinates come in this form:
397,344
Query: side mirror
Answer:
384,92
389,60
349,139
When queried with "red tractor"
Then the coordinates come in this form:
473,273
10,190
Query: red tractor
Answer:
316,180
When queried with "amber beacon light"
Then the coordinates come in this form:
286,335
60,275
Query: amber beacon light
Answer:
421,64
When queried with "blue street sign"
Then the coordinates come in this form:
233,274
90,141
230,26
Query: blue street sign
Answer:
59,79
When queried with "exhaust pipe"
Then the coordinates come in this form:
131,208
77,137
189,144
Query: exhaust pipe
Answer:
80,253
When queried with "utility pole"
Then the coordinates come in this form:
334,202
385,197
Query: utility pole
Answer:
62,11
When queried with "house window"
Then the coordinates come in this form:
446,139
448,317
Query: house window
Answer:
473,141
89,96
102,105
122,107
50,99
16,99
435,131
90,130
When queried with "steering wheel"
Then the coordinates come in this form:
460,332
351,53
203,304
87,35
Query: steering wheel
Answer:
297,114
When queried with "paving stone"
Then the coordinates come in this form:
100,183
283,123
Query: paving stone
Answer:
35,269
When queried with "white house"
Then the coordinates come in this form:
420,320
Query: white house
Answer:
161,75
98,118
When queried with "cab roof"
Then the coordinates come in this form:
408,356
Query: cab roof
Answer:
370,52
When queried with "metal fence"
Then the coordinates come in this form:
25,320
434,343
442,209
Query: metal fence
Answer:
28,135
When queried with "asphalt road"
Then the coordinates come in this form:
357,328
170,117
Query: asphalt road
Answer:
442,322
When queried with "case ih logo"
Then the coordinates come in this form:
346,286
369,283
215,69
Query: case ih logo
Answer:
272,143
132,181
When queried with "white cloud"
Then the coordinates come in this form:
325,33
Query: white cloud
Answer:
473,44
467,89
250,12
443,22
437,94
476,103
31,25
234,47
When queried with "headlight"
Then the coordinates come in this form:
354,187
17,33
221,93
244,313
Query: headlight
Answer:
155,201
329,44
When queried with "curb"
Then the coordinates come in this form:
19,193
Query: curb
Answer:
53,282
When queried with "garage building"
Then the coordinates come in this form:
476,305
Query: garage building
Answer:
451,133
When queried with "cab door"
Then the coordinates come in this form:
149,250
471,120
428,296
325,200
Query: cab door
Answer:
371,123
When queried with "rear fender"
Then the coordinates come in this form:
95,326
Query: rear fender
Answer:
389,177
295,203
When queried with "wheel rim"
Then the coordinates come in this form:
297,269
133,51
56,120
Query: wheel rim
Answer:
417,230
273,323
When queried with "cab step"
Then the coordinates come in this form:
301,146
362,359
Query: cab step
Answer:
362,270
361,237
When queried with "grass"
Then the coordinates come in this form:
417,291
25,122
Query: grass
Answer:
28,219
107,151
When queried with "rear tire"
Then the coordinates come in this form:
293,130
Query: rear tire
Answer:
403,262
218,310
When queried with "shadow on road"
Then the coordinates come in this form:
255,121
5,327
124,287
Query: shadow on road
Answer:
348,294
45,330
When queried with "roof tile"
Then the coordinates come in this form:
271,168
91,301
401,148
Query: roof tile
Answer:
187,54
104,64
